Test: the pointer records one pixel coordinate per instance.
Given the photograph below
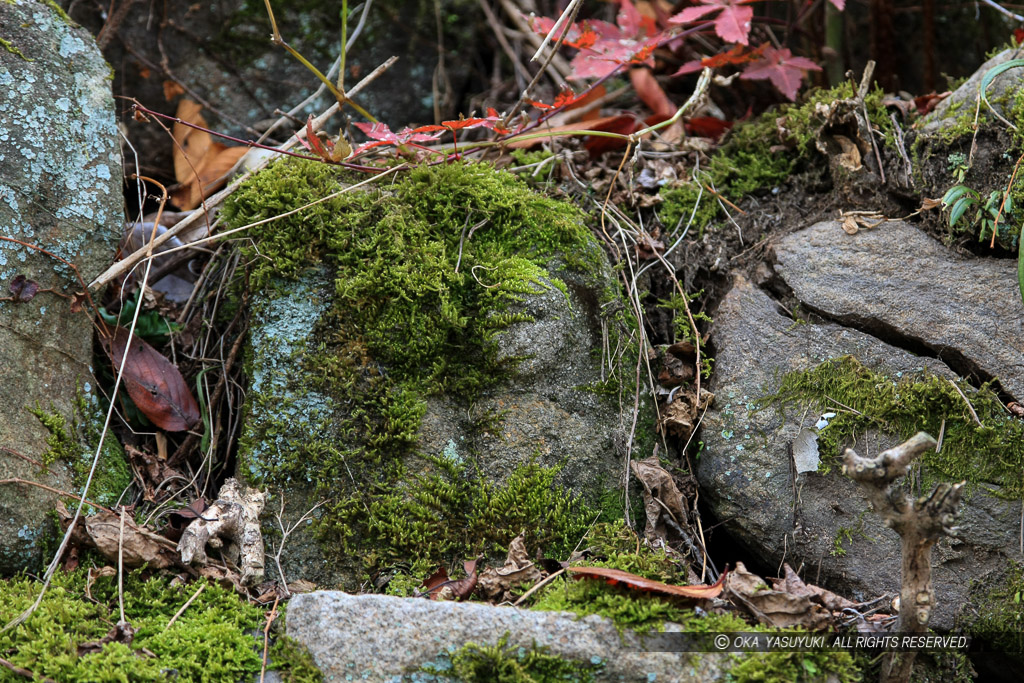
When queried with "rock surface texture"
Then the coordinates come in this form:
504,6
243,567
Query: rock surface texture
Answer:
60,189
900,283
381,638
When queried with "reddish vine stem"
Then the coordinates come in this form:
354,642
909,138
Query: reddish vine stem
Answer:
137,107
69,264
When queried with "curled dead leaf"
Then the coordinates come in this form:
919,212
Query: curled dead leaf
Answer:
496,583
663,503
201,165
777,608
615,577
137,546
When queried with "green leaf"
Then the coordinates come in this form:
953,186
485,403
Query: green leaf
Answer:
955,192
959,208
990,76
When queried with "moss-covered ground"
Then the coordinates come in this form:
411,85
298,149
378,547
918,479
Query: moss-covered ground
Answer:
423,273
218,638
74,442
991,452
762,153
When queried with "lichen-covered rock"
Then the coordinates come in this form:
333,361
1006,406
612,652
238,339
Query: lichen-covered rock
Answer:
762,474
381,638
60,190
427,361
962,103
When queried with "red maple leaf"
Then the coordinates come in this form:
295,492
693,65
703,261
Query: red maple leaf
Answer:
783,69
732,23
604,47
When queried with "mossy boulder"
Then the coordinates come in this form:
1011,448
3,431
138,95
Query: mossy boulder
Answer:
426,359
880,360
60,190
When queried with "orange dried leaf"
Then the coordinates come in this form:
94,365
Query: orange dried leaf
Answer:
616,576
200,164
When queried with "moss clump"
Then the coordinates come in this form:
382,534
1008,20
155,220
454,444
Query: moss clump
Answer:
502,663
614,545
1000,613
780,667
992,452
13,49
211,641
424,274
74,442
541,163
747,162
687,205
453,513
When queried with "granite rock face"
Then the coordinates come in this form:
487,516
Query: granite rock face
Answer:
895,281
60,189
906,286
543,412
381,638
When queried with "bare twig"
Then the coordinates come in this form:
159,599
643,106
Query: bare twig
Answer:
266,637
24,672
969,406
285,533
186,606
537,586
120,568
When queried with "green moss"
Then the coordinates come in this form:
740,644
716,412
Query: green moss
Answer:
502,663
293,662
454,513
782,667
60,13
991,453
74,442
213,640
747,161
1000,612
614,545
541,163
13,49
424,274
685,205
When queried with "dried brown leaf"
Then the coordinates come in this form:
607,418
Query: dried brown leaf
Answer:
497,583
102,531
615,577
661,498
153,382
200,164
776,608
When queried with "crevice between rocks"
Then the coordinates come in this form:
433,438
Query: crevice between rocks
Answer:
780,292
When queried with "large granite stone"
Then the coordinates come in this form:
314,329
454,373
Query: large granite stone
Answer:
60,189
381,638
897,282
748,475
